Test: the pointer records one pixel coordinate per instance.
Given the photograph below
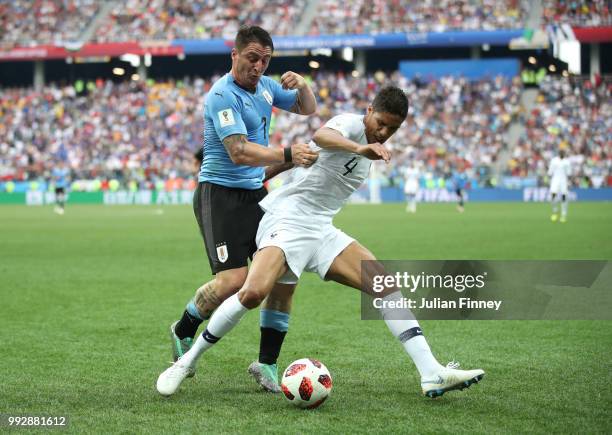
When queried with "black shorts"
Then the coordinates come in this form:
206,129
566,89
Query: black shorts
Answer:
228,219
59,191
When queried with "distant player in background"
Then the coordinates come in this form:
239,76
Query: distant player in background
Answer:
411,186
296,234
460,183
559,172
60,175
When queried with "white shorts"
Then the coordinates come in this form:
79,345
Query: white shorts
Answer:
558,187
308,246
411,188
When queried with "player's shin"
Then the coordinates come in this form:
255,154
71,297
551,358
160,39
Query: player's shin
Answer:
224,319
564,205
406,329
198,309
274,322
555,204
273,326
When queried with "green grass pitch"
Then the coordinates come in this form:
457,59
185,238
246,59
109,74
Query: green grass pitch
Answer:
87,298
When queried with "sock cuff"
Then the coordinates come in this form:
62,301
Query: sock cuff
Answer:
274,319
193,310
212,339
410,333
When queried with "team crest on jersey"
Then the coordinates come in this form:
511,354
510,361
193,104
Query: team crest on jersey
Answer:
226,117
267,96
222,253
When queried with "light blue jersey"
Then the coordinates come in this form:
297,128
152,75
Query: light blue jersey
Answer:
460,180
230,109
60,177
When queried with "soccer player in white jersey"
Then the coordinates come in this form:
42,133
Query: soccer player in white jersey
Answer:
411,186
297,234
559,172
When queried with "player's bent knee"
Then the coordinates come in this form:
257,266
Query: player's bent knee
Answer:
229,282
250,297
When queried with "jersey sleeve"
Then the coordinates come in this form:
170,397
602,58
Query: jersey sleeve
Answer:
349,126
225,112
282,98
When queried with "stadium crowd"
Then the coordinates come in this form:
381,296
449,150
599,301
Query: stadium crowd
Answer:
196,19
572,114
145,132
25,23
128,131
581,13
36,22
383,16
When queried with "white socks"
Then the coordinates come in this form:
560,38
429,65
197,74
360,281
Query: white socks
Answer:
411,336
229,313
222,321
564,208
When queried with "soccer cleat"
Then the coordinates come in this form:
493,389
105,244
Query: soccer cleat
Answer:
171,378
554,217
563,219
265,375
180,346
450,378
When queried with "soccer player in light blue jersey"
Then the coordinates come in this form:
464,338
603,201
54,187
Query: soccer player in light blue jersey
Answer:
60,176
237,159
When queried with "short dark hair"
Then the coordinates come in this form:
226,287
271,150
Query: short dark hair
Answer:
391,99
248,34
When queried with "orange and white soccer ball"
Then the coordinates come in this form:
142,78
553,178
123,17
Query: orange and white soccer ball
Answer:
306,383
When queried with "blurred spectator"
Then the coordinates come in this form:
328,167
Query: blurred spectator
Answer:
574,114
27,23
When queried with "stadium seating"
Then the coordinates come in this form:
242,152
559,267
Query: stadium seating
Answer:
28,23
583,13
382,16
34,22
196,19
141,132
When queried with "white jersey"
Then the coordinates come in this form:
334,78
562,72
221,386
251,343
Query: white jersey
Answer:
326,186
411,180
559,170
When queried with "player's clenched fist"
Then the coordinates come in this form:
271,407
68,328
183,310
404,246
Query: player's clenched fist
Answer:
302,155
291,80
374,151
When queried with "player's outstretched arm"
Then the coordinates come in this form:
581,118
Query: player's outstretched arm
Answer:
332,139
306,103
243,152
